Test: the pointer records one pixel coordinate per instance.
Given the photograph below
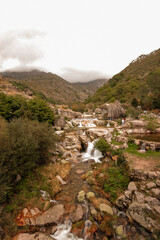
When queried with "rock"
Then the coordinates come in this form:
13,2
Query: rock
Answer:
93,211
120,231
157,208
105,208
78,214
90,195
132,186
79,171
150,185
128,194
151,201
156,193
46,205
35,236
152,175
143,214
60,122
158,183
61,180
52,215
123,202
81,196
64,161
139,197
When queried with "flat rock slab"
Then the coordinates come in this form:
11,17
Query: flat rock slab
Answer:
79,171
52,215
35,236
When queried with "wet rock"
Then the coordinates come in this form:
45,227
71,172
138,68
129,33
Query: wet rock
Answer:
156,193
150,185
78,214
35,236
81,196
143,214
90,195
105,208
52,215
132,186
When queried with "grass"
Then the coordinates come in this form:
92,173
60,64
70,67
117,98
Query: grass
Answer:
133,149
116,142
116,182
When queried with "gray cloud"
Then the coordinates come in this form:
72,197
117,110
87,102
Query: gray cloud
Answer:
74,75
20,46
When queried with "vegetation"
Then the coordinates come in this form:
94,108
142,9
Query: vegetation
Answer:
16,106
24,145
138,84
102,146
79,107
117,180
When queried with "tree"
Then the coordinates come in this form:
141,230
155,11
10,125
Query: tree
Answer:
134,102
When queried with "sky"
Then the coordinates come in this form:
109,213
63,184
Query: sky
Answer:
79,40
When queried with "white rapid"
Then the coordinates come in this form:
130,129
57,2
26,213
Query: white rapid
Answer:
92,153
63,232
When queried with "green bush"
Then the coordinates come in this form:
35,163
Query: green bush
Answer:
102,146
16,106
132,112
24,145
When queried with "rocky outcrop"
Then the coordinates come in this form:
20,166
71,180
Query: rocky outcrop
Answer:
111,110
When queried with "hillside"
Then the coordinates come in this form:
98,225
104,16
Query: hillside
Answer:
140,80
91,86
47,85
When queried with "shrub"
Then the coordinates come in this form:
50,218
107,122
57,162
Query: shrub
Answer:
151,125
24,145
102,145
132,112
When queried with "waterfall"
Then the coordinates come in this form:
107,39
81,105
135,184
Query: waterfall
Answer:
63,232
92,153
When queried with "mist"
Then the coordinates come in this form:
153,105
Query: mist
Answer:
74,75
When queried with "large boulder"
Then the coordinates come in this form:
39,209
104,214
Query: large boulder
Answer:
112,110
52,215
60,122
144,215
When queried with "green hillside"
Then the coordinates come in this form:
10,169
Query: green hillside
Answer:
140,80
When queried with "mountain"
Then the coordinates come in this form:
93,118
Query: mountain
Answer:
91,86
140,80
46,85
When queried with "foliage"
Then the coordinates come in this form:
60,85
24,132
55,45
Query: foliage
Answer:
132,112
137,84
102,145
24,145
16,106
40,111
79,107
116,182
151,125
134,102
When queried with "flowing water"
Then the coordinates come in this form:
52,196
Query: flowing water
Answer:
92,153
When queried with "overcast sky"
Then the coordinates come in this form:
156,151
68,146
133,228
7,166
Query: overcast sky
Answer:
97,37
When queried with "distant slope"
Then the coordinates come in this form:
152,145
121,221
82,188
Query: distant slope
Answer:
91,86
140,80
47,84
